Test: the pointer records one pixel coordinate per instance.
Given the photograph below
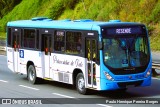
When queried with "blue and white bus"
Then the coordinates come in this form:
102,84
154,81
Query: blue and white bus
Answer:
88,54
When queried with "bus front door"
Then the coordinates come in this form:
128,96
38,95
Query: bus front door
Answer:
91,54
46,38
16,46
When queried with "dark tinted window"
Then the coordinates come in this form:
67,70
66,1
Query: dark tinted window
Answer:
73,42
59,41
29,38
9,37
37,40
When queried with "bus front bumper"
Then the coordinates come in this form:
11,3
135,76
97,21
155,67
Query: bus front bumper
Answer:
113,85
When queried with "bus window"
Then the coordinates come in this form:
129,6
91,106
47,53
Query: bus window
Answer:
73,42
94,49
126,52
9,37
29,38
37,40
15,43
59,41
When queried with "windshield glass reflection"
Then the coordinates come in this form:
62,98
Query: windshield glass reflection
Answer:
123,52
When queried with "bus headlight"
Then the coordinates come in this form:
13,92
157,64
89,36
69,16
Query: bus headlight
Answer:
108,76
148,73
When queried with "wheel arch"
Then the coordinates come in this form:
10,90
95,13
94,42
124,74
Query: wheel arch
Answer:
75,73
28,64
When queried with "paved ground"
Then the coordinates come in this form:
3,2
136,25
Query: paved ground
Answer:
2,52
17,86
156,56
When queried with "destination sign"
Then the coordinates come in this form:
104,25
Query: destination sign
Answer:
124,31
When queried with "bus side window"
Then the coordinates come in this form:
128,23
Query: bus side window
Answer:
94,49
59,40
73,42
29,38
37,40
9,37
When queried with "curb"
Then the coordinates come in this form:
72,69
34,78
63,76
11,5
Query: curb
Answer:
2,48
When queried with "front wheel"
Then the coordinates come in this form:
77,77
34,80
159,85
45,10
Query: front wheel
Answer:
80,84
32,75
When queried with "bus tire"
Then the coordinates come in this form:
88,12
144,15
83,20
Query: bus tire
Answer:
80,84
32,77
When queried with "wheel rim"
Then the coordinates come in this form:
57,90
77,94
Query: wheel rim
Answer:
81,84
31,74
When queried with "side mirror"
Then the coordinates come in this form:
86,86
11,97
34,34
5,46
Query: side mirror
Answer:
100,45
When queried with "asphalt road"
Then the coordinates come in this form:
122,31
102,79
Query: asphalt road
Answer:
17,86
156,59
156,56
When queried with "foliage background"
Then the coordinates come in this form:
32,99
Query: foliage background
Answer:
143,11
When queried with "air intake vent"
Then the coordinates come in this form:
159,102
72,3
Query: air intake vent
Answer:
66,20
114,20
60,75
83,20
41,19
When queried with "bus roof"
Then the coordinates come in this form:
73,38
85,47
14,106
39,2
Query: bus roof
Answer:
82,24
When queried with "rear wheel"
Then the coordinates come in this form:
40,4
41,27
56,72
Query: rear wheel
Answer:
80,84
32,77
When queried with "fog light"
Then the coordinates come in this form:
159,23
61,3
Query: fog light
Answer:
108,76
148,73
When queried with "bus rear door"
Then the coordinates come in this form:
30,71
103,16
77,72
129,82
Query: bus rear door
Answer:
91,49
47,47
16,45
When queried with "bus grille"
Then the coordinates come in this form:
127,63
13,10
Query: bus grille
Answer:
135,83
60,75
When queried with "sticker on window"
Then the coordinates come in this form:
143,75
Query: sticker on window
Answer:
133,63
124,63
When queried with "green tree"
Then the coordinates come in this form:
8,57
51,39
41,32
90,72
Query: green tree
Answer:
7,5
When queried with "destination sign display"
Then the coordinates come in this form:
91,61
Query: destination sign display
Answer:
124,31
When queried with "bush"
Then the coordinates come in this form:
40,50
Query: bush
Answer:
154,17
144,11
57,9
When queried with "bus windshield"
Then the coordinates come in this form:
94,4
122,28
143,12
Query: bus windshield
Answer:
124,52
